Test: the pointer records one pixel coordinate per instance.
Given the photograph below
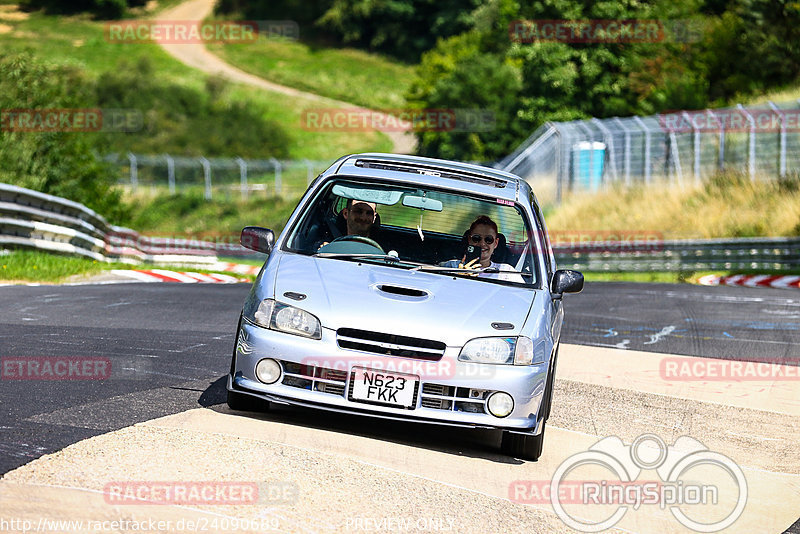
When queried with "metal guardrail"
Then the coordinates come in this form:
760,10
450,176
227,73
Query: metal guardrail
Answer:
768,254
30,219
35,220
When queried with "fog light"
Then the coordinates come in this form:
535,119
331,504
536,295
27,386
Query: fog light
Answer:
268,371
500,404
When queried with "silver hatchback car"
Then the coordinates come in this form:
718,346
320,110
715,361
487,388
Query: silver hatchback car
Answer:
408,288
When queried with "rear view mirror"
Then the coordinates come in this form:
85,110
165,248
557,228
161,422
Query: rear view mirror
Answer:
367,194
423,203
566,281
258,239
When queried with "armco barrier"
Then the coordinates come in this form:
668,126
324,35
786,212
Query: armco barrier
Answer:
767,254
30,219
36,220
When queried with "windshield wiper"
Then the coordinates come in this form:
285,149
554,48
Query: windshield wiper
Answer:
346,255
465,270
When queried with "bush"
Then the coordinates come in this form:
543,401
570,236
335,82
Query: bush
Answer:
177,119
102,9
58,163
174,117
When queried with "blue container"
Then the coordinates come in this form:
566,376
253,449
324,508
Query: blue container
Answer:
587,165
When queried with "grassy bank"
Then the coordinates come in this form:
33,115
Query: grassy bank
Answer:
344,74
191,216
727,205
80,42
34,266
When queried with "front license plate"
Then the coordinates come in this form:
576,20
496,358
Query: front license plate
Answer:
382,387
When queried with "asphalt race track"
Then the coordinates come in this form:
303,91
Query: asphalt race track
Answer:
175,341
715,322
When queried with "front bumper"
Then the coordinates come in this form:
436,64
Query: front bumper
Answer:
318,374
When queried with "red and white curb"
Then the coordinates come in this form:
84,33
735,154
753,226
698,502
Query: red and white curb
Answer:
237,268
160,275
752,280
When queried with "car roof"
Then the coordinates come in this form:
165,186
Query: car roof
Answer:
434,172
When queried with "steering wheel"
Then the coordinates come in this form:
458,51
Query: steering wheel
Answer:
360,239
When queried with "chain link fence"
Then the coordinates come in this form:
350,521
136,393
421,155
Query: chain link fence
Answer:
215,177
681,147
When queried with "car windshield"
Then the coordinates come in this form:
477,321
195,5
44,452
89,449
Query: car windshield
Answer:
417,228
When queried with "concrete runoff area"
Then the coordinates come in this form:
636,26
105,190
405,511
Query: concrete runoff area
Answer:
349,473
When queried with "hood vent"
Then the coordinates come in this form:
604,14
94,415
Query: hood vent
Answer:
405,291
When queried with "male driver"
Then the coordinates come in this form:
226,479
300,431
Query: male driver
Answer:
360,216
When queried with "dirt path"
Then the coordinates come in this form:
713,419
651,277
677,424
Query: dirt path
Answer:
198,57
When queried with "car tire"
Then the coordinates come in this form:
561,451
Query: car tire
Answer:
523,446
246,403
551,378
530,447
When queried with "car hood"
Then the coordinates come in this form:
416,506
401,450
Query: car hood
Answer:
344,293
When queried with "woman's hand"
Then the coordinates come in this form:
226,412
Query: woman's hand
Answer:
473,264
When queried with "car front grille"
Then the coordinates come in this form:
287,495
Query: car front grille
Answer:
390,344
451,398
430,395
313,378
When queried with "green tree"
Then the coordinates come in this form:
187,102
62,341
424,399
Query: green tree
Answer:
59,163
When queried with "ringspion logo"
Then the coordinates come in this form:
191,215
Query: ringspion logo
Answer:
703,490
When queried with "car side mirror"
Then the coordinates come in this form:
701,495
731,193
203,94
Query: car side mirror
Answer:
258,239
566,281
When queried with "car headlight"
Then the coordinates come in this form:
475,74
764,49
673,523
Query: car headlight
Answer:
529,353
502,350
488,350
284,318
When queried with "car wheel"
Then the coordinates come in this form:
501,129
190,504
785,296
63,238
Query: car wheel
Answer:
246,403
530,447
551,378
523,446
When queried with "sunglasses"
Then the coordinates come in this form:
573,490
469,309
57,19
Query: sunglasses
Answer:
476,238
